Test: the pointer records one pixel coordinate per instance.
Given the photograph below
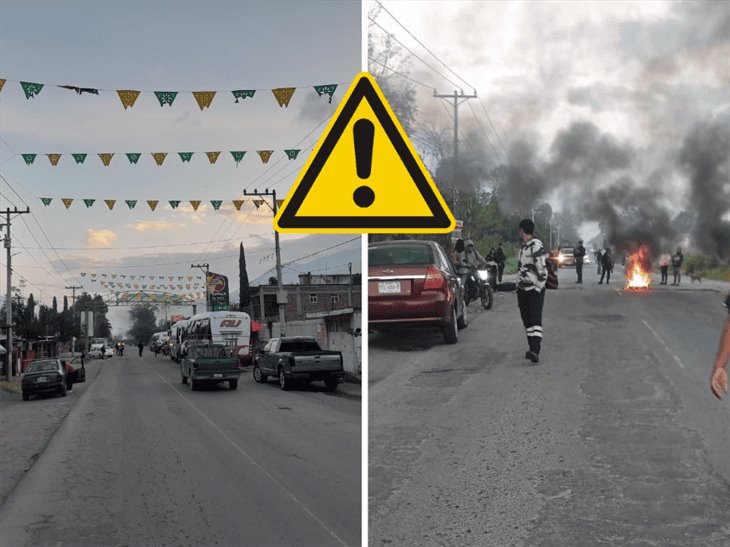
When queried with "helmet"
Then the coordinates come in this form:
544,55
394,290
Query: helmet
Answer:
468,242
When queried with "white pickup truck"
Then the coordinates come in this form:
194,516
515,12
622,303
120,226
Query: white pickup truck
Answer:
298,358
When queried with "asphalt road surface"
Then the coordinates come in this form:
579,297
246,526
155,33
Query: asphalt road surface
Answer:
141,460
613,438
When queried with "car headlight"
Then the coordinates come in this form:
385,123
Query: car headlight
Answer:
483,274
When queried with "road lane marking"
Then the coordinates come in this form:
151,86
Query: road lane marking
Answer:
253,462
666,347
619,291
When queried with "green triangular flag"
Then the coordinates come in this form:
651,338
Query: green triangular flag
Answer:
174,203
292,154
328,89
133,157
238,156
30,89
79,158
89,202
185,156
243,93
29,158
130,203
216,203
166,97
46,201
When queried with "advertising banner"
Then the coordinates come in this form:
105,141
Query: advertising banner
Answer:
217,292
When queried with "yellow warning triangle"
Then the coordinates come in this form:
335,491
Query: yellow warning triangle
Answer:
364,175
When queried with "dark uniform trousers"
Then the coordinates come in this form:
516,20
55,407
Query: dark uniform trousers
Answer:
530,304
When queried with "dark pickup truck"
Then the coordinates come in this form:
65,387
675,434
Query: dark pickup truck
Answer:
298,358
209,363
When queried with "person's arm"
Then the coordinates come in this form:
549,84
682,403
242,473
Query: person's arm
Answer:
718,380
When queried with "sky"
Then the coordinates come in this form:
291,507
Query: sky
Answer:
162,46
618,102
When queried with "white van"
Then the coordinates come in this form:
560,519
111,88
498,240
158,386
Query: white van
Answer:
232,328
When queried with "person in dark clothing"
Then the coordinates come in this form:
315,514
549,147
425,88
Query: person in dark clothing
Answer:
664,268
578,253
501,259
718,380
677,260
607,267
531,287
140,347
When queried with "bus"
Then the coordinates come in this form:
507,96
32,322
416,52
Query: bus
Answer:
232,328
177,337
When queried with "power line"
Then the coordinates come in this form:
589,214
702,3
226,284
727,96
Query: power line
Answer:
405,76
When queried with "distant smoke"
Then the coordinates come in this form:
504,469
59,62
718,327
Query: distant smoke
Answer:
704,156
523,184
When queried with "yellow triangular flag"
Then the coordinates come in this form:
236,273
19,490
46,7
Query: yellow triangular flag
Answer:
204,98
2,83
159,157
54,158
153,203
128,97
283,95
265,155
237,204
213,156
67,202
195,203
106,158
110,203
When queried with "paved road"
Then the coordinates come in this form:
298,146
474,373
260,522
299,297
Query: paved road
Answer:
612,439
141,460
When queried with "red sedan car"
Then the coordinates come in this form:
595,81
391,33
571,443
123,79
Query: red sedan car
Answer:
413,283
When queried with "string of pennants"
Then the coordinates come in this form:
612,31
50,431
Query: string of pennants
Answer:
141,296
204,99
159,157
153,203
94,276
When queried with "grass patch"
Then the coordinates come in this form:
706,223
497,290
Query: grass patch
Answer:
13,387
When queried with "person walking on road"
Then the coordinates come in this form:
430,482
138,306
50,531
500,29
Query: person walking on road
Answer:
140,347
578,253
531,286
718,380
677,260
501,259
607,267
664,268
599,261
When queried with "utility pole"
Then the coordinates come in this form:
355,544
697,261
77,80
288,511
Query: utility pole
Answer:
201,266
349,267
8,296
281,295
457,98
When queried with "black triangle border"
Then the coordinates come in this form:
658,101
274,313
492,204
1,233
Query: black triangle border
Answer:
363,90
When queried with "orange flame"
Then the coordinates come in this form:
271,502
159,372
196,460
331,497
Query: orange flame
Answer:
638,269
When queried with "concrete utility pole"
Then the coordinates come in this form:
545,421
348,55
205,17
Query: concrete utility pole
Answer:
457,98
349,267
8,296
201,266
281,295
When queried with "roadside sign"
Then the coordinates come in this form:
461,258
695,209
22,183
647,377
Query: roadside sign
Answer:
364,175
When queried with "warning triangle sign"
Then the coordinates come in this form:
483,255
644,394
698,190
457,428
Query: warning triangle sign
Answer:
364,175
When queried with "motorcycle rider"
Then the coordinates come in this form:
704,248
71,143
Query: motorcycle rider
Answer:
473,260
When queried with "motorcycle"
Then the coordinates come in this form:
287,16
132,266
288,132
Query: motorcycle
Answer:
486,292
470,284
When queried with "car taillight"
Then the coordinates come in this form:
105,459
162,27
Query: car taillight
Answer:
434,279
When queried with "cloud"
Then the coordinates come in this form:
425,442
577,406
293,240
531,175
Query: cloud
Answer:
100,239
158,226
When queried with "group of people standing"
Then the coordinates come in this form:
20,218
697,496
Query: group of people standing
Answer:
604,260
676,260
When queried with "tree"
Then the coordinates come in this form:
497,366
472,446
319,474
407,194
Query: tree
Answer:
143,322
273,281
65,303
244,291
54,307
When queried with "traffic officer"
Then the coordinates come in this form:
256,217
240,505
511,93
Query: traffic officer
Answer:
531,286
718,380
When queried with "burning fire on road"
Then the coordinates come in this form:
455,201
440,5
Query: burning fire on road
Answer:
638,269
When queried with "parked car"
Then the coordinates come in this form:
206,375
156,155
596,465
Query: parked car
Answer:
294,358
100,351
53,375
413,283
566,256
205,362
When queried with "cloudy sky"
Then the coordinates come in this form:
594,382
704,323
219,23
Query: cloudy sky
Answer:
582,95
161,46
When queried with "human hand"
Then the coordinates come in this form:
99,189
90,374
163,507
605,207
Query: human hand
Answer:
718,382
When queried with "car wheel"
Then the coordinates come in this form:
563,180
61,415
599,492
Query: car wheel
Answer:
451,331
259,376
284,383
26,396
463,321
330,384
193,384
233,384
184,378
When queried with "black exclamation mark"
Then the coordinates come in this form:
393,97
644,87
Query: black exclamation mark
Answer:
363,133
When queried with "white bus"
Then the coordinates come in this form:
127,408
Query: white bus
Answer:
177,336
232,328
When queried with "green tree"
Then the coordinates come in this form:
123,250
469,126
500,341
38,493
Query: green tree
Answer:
144,324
